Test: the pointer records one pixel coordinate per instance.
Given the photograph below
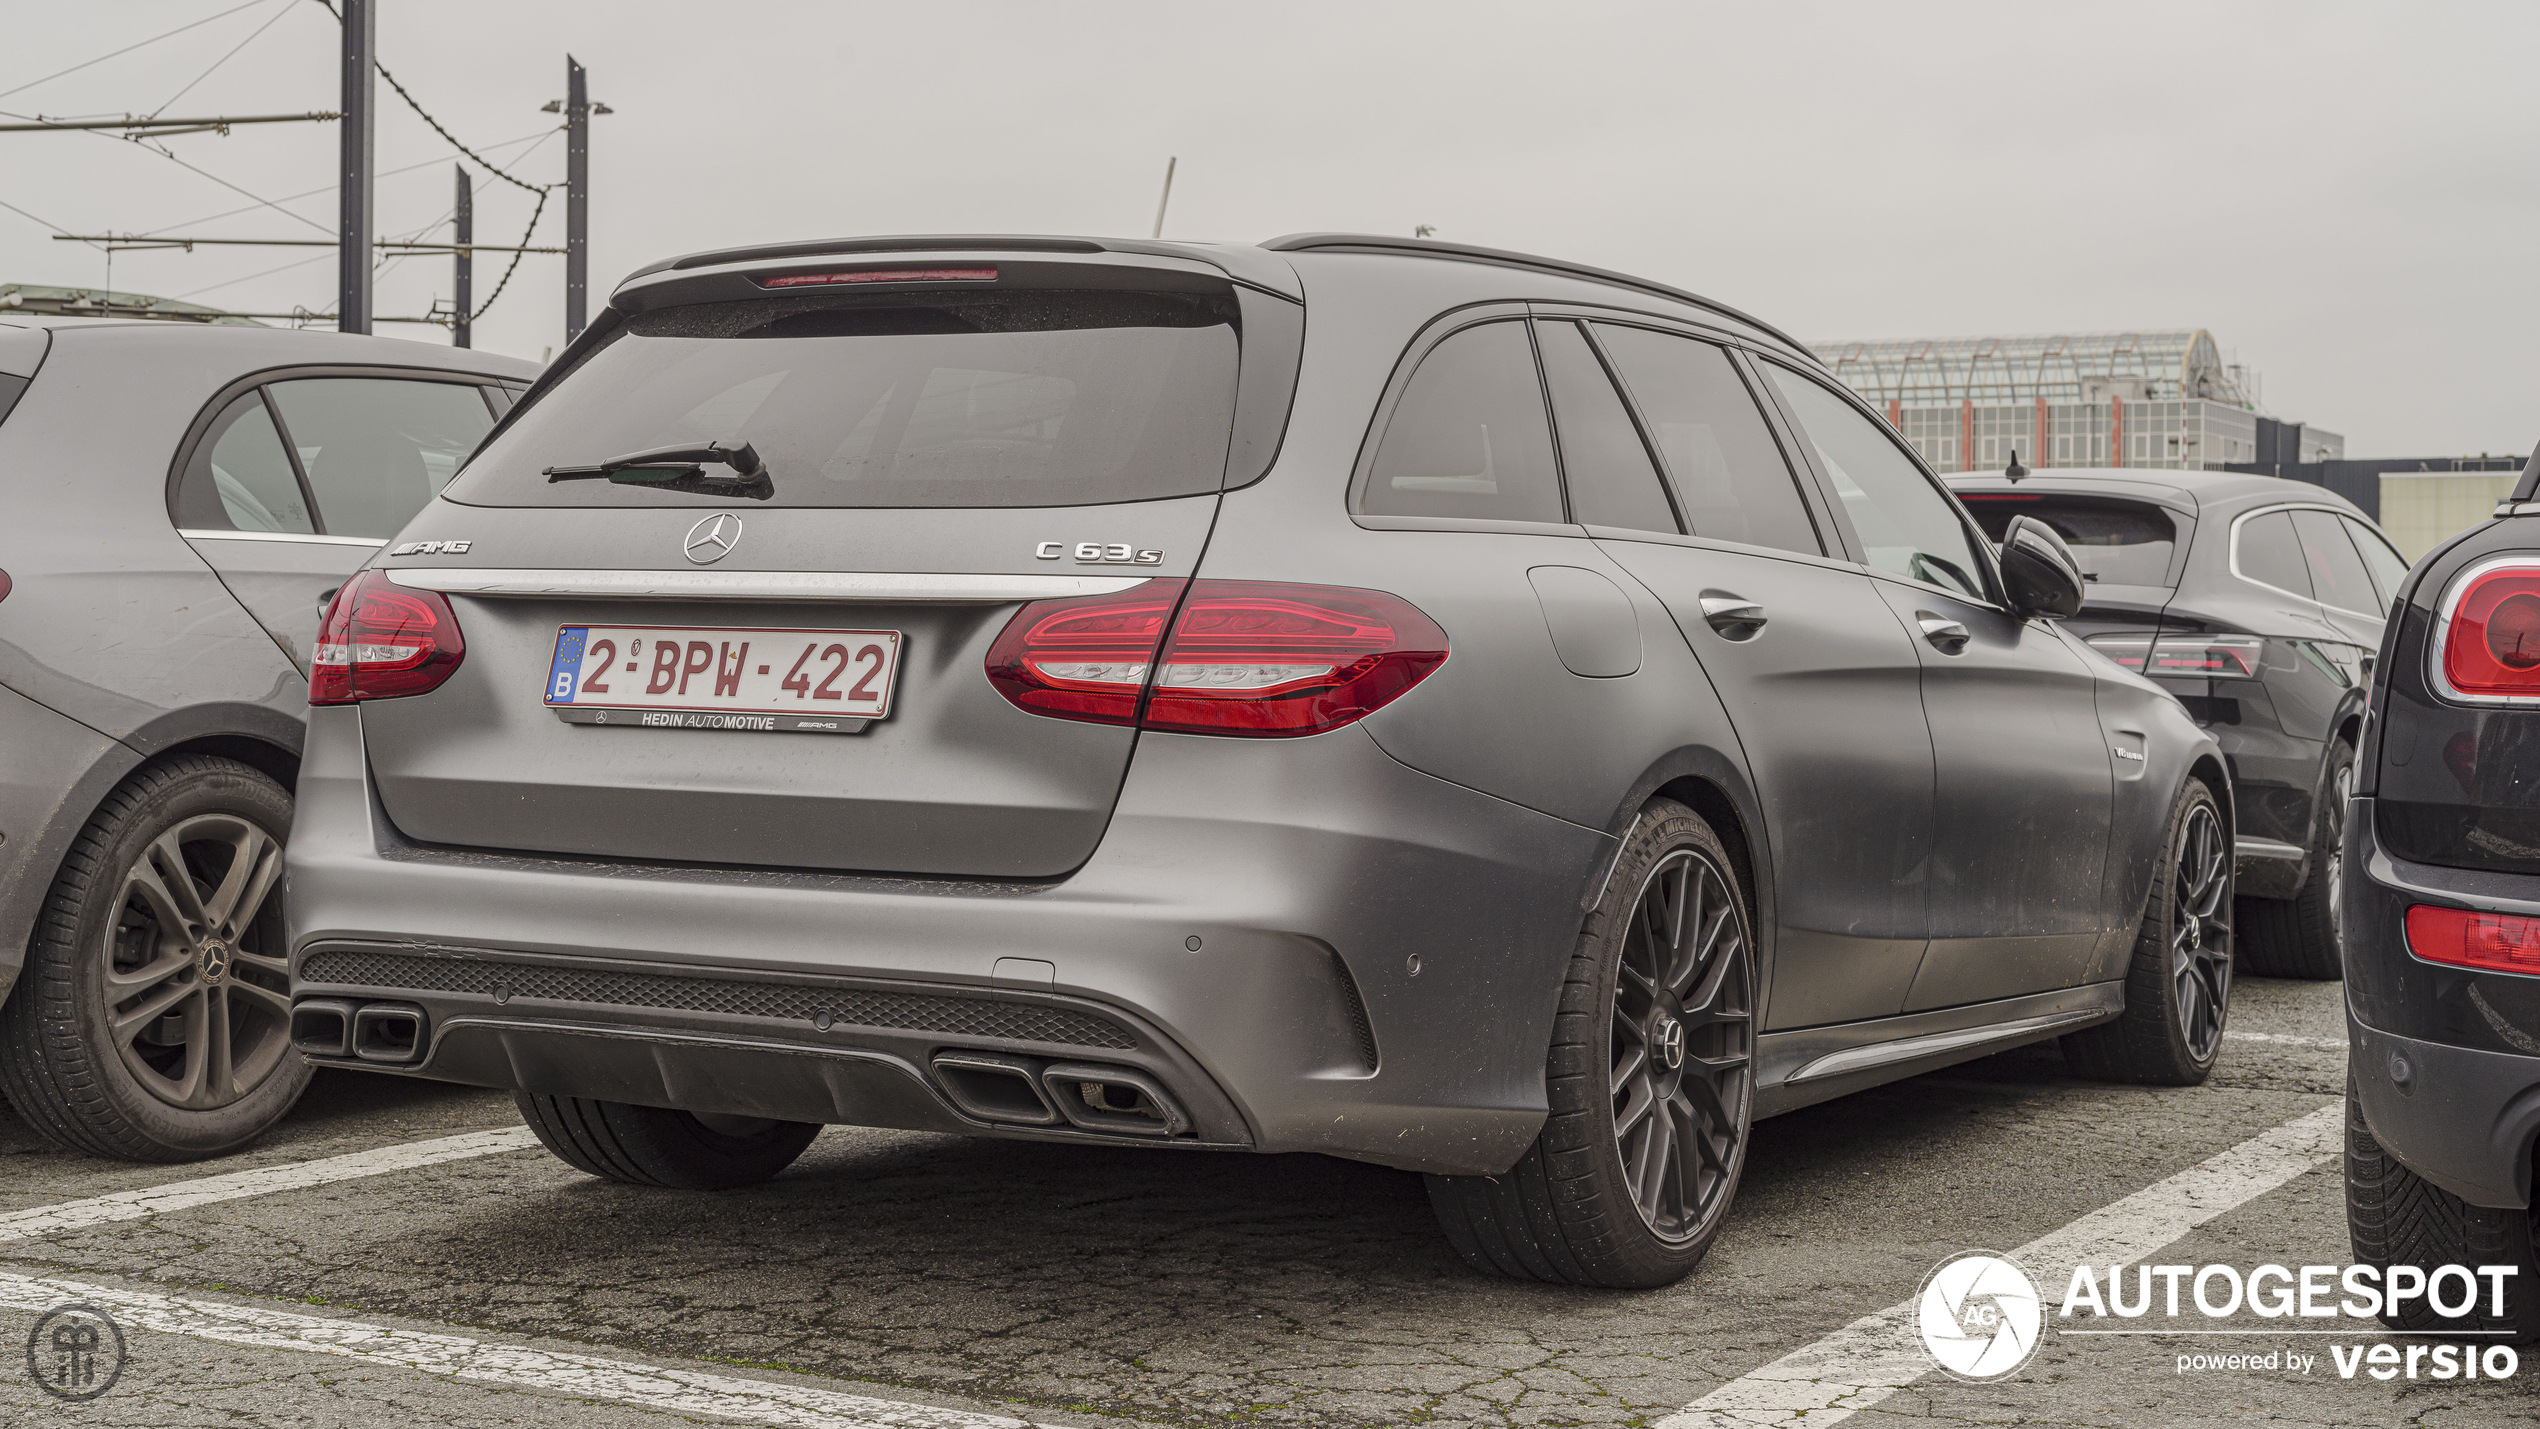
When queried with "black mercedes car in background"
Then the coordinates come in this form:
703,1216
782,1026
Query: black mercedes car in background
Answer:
2259,603
2441,926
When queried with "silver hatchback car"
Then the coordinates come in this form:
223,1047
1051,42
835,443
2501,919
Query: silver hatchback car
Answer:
183,499
1440,707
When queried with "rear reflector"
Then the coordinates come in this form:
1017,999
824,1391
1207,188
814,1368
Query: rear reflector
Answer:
2490,942
880,275
2229,657
2491,635
380,641
1253,658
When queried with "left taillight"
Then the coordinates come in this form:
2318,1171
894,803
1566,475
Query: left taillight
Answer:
1251,658
380,641
2490,650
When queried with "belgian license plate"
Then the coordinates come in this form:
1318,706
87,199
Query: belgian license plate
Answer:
698,677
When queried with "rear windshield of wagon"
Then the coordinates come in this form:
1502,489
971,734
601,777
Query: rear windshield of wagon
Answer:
1012,398
2117,541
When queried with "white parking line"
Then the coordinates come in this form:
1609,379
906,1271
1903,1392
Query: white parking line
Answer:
176,1195
2285,1039
676,1391
1877,1355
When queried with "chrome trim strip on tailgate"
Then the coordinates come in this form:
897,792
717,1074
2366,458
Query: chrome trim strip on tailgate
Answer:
859,586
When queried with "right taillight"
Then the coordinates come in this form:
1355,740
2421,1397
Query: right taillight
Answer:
1253,658
2491,635
2462,938
380,641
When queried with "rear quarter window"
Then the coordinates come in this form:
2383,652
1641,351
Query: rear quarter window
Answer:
1006,398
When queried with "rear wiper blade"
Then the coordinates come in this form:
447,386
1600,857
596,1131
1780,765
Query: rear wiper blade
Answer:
680,469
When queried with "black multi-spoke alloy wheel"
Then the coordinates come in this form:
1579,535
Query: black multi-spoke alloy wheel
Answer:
152,1019
1651,1078
2297,936
657,1146
2178,986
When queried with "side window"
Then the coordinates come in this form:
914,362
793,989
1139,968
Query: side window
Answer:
1611,480
1469,438
2338,576
1728,470
240,478
2388,570
1908,526
377,448
2267,549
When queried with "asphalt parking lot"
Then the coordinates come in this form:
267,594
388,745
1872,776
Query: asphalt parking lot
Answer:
907,1279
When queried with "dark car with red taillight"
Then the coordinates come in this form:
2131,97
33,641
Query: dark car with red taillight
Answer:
1447,708
2258,602
2441,926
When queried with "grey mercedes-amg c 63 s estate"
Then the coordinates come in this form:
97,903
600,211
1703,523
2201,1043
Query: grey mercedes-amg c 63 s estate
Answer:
1434,706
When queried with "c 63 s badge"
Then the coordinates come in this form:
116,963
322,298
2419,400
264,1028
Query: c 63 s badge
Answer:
1095,553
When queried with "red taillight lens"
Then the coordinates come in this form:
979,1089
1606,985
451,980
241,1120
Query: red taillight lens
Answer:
2129,651
1085,658
2230,657
2491,645
1267,658
4,585
1245,658
2490,942
381,640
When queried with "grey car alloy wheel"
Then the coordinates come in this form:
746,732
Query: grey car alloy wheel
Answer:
196,1004
2200,937
1683,1045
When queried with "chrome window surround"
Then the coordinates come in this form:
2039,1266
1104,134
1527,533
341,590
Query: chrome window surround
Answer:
2247,516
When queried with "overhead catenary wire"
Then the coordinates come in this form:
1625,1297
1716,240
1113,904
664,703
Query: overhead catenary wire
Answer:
128,49
426,116
278,13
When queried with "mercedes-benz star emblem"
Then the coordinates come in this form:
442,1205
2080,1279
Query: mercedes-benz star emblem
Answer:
712,539
1671,1043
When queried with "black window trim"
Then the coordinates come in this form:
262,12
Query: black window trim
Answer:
256,382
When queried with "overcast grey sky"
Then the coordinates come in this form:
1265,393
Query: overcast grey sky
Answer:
2334,190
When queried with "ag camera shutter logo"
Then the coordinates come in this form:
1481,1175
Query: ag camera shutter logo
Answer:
1980,1316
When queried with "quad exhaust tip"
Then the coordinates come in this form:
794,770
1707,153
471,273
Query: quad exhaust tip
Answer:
323,1026
1018,1091
388,1032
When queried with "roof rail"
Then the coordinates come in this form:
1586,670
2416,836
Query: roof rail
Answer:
1432,248
1241,262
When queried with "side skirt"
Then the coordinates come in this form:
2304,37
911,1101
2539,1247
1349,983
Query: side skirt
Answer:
1803,1067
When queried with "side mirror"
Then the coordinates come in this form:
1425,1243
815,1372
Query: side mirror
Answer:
2038,570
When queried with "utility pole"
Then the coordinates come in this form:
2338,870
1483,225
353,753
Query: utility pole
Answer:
577,196
353,174
463,281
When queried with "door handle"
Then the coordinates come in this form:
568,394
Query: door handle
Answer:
1734,616
1946,635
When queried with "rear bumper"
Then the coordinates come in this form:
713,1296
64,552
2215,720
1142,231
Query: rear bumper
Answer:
1310,873
2445,1061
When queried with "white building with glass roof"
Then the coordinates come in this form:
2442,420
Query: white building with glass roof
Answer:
2126,399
